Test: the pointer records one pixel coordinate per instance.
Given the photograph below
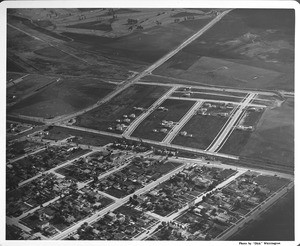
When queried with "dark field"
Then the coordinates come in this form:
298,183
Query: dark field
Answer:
66,96
176,110
273,139
51,52
93,25
13,76
204,130
261,41
11,66
82,137
106,115
28,85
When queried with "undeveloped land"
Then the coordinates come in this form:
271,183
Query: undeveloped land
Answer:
105,116
63,97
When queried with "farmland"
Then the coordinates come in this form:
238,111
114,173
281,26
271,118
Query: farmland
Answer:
176,110
105,116
65,96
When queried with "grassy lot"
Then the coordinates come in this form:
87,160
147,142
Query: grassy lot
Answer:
244,41
252,118
176,110
203,128
126,210
106,115
271,182
236,142
82,137
66,96
273,139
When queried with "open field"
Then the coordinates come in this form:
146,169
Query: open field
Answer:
204,129
273,138
28,85
65,96
176,110
216,71
250,49
142,46
34,49
106,115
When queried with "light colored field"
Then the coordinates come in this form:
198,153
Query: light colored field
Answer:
222,72
274,136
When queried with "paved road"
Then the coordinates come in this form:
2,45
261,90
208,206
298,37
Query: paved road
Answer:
267,93
224,126
229,126
143,116
216,101
156,143
174,131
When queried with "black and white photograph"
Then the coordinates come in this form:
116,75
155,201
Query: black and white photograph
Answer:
149,123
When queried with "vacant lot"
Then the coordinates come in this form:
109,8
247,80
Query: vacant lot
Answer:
236,142
63,97
106,115
273,139
204,129
271,182
176,110
251,48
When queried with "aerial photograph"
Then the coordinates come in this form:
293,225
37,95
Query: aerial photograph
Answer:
150,124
